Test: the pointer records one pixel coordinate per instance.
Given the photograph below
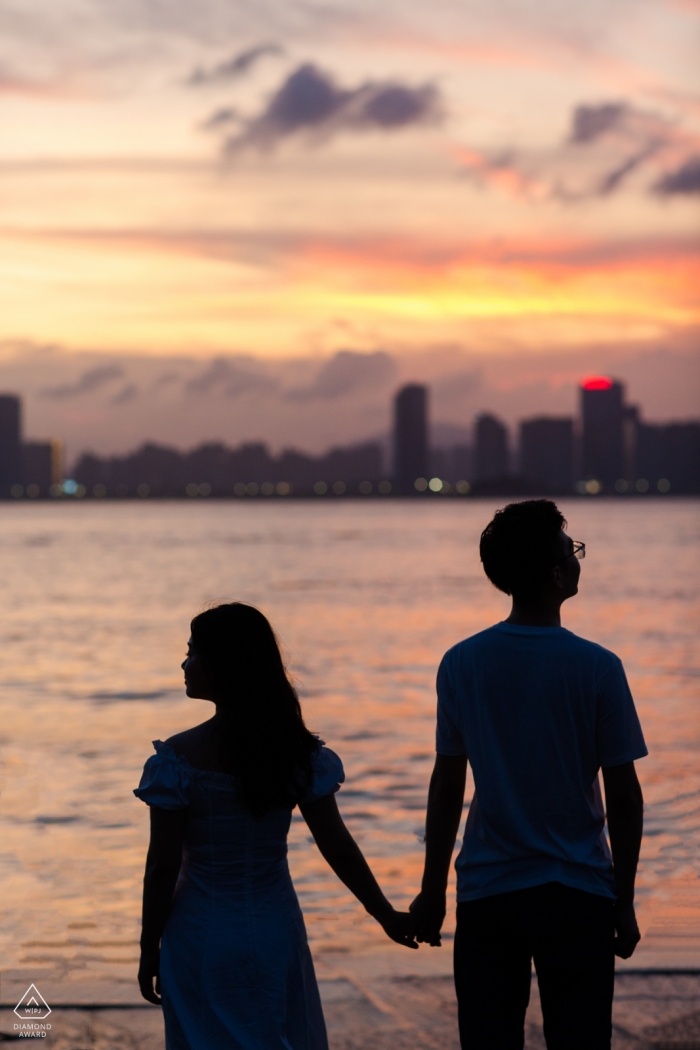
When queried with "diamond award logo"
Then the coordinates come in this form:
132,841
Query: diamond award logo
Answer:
32,1006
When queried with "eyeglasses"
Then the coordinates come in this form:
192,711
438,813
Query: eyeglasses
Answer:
578,550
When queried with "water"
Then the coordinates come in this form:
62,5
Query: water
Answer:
96,602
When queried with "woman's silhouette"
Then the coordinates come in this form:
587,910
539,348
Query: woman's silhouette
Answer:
223,936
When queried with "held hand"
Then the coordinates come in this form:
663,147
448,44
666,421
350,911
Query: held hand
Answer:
626,929
428,915
149,968
397,925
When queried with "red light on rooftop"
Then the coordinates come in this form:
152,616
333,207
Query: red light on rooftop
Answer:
597,383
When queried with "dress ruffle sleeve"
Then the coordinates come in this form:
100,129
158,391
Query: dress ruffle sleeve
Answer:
328,774
165,780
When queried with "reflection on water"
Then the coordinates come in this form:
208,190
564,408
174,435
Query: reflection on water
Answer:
96,602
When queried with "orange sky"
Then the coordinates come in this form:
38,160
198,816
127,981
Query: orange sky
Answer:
154,197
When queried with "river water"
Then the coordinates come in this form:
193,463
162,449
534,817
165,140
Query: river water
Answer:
366,596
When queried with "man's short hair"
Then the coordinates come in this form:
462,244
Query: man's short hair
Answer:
519,546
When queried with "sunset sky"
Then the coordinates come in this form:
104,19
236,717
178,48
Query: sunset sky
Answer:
285,180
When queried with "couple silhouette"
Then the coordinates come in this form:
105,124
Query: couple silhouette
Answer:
536,710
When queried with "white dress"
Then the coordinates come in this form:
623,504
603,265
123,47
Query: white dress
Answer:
236,971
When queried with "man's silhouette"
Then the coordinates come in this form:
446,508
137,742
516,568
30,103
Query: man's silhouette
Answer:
537,712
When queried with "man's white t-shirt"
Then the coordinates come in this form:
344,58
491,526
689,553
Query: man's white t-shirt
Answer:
538,711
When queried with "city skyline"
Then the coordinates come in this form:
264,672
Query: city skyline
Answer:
608,447
111,405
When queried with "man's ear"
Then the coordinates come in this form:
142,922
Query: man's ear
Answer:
555,578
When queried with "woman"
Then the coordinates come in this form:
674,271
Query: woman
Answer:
223,936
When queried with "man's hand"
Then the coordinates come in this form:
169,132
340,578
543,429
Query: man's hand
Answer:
626,929
149,971
428,915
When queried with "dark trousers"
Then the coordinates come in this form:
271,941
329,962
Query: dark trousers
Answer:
569,935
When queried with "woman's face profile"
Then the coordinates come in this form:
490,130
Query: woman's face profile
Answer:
196,683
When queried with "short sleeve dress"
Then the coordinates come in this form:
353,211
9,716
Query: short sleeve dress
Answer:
236,971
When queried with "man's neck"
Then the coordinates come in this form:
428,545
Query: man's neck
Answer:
540,614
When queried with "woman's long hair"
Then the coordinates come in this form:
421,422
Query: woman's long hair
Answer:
263,739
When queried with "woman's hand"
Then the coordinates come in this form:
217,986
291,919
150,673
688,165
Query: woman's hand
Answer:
397,925
149,971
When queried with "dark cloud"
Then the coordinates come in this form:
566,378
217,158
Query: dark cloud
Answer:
126,394
347,372
612,179
229,378
90,380
588,123
685,179
165,379
234,67
310,100
221,118
606,144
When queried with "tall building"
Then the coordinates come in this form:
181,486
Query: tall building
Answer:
410,437
547,453
41,464
603,414
490,449
668,457
10,442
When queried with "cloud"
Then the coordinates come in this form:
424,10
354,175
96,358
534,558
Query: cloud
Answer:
309,100
230,378
235,67
220,118
685,179
346,372
606,143
89,381
590,122
126,394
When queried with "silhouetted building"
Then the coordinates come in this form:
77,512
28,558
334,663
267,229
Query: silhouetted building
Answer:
668,457
462,463
602,413
547,453
41,465
411,460
490,449
155,470
10,442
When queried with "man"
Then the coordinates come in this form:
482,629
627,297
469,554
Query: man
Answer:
537,711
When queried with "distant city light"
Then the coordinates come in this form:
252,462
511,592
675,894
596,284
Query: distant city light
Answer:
591,487
435,484
420,484
597,383
320,488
